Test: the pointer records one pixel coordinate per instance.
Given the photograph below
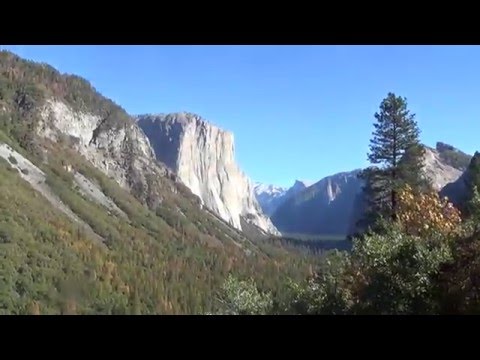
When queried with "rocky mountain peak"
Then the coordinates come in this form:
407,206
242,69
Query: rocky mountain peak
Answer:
301,184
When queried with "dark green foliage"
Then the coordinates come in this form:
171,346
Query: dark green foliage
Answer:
458,285
473,208
244,298
467,195
462,191
396,157
393,273
473,178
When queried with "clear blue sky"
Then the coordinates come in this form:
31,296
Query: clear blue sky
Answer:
297,112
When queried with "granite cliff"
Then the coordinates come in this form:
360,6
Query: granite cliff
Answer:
203,157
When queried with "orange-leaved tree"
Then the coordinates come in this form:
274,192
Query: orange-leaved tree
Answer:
426,214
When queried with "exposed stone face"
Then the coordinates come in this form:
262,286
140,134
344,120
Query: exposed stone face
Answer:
203,157
115,151
437,171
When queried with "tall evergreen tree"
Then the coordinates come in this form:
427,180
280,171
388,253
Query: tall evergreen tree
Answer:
396,156
470,205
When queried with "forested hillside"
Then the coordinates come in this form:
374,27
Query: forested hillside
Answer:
154,251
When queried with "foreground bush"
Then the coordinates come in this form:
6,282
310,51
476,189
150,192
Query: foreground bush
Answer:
243,298
391,273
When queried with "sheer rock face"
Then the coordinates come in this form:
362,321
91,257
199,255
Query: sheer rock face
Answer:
203,157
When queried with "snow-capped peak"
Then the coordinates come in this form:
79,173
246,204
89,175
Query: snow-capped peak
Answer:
266,189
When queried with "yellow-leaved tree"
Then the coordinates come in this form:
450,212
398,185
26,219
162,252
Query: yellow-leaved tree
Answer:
426,214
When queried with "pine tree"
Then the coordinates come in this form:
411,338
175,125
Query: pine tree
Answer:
472,201
396,156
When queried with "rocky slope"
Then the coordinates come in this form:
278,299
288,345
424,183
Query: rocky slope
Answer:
333,205
118,148
438,170
36,178
203,157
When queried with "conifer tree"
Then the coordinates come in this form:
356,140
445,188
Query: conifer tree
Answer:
396,156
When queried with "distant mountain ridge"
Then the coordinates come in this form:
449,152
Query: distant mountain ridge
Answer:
332,205
271,196
323,208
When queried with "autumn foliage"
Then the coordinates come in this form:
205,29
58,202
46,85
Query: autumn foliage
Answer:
424,214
